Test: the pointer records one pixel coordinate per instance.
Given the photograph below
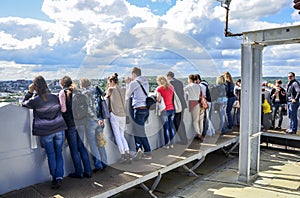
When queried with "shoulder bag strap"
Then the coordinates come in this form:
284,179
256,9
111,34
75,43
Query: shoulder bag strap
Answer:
142,88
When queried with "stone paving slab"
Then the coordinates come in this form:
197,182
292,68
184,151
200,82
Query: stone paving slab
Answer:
279,177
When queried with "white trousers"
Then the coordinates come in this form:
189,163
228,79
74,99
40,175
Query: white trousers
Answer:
118,127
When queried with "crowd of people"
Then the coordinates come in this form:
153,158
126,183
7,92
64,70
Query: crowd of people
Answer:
55,118
278,101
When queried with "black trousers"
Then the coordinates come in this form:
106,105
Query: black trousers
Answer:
180,127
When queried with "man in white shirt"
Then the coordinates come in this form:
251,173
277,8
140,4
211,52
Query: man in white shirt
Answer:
134,89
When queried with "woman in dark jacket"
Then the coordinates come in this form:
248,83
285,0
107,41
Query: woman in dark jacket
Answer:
49,124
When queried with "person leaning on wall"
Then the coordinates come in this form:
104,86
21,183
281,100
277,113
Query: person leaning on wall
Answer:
166,91
134,89
49,124
193,91
178,118
116,94
94,127
74,136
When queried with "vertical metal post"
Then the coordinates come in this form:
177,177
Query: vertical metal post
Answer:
250,110
244,150
256,108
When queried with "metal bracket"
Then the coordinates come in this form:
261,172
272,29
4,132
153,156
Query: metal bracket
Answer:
227,153
191,170
153,187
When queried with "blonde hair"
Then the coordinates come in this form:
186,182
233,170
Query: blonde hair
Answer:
228,77
85,82
163,81
220,80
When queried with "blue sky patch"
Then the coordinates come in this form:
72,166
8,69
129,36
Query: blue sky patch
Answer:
158,7
24,9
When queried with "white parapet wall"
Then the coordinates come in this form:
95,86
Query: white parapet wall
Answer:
23,161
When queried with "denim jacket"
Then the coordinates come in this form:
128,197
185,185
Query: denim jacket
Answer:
93,107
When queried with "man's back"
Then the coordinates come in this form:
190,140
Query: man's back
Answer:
178,87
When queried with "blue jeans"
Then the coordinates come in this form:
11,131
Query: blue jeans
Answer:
293,111
228,111
53,145
277,107
98,153
168,118
78,151
141,141
222,117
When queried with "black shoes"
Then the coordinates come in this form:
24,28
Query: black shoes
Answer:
87,175
96,170
55,184
276,128
74,175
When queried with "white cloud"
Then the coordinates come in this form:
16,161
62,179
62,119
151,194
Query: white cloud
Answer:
255,9
236,52
80,27
8,42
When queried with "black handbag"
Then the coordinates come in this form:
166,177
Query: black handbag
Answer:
103,109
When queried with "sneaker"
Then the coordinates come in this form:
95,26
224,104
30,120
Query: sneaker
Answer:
128,158
122,159
166,147
172,146
278,128
288,131
138,155
272,127
147,157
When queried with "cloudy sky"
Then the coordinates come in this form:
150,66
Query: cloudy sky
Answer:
95,38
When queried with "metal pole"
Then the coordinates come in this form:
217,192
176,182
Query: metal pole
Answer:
244,149
250,111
